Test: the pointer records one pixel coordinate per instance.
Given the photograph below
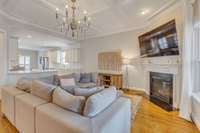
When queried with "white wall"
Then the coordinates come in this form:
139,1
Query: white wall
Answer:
128,43
12,52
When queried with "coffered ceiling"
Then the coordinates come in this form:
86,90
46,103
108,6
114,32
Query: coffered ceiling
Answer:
108,16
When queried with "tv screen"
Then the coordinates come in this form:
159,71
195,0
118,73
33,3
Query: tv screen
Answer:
161,41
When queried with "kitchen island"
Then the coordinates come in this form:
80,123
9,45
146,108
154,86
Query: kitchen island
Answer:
13,76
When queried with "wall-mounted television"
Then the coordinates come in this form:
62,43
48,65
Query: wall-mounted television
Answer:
161,41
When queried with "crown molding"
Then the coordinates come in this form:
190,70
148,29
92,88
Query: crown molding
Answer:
163,8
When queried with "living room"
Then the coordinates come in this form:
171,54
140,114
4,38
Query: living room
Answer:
98,66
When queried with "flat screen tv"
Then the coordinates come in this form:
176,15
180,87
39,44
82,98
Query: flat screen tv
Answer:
161,41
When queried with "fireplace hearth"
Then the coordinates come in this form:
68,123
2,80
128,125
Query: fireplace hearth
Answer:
161,90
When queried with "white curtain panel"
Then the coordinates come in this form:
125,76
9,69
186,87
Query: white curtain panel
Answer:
196,60
191,56
185,105
72,57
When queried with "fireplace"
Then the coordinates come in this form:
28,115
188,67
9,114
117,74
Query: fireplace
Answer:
161,90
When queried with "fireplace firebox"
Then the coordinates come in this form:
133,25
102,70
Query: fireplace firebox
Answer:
161,90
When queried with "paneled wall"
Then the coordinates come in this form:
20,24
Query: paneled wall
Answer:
110,61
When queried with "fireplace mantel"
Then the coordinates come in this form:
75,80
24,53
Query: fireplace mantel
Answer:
167,64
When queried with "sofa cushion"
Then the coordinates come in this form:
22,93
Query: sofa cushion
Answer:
85,78
99,102
48,79
42,90
24,84
77,77
68,101
87,85
94,77
86,92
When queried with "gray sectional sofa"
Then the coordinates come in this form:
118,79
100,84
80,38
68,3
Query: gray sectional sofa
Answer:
32,113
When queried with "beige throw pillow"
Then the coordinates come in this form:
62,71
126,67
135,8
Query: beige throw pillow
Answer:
67,82
42,90
68,101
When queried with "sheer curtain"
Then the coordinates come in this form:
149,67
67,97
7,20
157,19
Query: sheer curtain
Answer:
196,47
190,56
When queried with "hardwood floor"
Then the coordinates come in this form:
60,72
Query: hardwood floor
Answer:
6,127
153,119
149,119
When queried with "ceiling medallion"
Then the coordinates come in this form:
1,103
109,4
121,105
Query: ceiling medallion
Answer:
70,23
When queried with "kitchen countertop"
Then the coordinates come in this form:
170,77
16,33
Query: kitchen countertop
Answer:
32,71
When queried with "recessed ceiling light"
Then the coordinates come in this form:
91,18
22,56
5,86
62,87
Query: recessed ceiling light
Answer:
29,36
144,12
85,12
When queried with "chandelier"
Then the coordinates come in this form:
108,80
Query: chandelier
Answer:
70,23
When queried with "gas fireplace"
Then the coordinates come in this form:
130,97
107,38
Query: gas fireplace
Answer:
161,90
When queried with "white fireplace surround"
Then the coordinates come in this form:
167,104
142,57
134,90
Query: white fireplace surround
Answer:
167,64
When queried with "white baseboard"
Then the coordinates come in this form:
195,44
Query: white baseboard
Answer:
137,89
197,122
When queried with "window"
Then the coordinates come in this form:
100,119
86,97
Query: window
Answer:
25,61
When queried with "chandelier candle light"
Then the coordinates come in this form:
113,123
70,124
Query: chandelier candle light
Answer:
70,23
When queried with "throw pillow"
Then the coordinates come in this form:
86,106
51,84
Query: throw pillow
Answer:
99,102
67,82
58,77
85,78
68,101
42,90
68,85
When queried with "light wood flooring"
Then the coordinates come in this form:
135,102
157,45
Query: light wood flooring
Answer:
149,119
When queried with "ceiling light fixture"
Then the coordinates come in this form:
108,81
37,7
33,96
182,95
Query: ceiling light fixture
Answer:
29,36
144,12
69,23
